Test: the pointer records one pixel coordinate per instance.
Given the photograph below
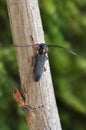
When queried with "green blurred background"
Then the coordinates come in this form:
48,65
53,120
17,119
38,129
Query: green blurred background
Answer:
64,23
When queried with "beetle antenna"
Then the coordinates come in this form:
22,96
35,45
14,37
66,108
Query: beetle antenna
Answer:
26,45
62,48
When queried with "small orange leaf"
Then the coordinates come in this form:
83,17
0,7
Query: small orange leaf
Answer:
18,98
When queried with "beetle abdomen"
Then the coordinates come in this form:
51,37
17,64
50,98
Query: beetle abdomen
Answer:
40,61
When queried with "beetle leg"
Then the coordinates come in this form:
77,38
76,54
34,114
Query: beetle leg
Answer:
33,57
46,57
35,47
45,69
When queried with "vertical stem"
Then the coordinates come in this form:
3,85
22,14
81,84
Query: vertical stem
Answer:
27,28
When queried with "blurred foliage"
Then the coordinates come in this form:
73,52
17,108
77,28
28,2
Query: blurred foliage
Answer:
64,23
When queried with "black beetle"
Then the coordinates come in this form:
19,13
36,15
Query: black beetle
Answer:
40,61
41,57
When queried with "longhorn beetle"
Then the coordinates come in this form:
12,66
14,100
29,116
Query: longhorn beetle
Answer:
41,57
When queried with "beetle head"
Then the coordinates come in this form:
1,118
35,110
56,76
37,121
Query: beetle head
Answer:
42,48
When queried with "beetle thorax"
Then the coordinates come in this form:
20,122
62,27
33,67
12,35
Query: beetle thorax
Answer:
42,48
